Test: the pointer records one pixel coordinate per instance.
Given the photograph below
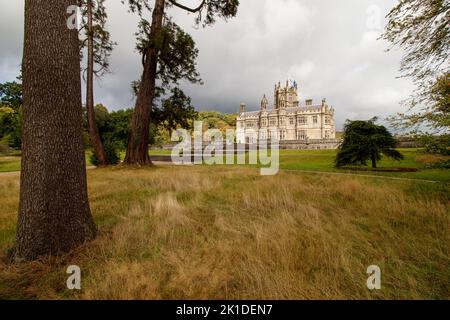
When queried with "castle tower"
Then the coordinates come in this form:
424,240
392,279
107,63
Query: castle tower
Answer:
264,103
286,97
276,97
242,108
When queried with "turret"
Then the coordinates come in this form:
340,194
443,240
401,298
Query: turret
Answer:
275,96
264,103
242,109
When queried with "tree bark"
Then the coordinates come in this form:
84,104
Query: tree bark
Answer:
54,213
374,161
92,124
137,150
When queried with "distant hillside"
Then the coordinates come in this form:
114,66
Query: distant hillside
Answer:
217,120
211,120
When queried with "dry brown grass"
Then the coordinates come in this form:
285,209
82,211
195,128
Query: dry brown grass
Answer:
225,232
432,158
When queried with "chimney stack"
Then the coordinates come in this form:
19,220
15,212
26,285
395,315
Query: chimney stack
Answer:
309,102
242,107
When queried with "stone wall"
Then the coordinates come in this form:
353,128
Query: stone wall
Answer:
310,144
284,145
315,144
405,142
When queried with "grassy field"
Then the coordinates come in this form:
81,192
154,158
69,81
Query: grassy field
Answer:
226,232
321,160
9,163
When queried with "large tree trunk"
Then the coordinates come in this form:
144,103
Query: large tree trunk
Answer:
92,124
374,161
54,213
137,150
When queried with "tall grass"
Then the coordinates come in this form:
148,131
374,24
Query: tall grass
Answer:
224,232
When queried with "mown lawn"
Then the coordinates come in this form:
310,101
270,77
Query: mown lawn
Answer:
9,163
12,163
323,160
226,232
319,160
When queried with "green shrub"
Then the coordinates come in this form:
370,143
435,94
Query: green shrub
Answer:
112,154
437,144
4,148
439,165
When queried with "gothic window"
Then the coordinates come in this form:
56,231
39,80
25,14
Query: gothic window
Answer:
291,120
328,120
282,135
274,135
273,122
302,120
315,119
301,135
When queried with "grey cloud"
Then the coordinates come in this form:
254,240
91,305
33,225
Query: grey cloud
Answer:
327,46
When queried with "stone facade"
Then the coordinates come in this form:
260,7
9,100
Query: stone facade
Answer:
289,119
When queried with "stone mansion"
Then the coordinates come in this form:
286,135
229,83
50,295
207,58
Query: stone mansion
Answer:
290,119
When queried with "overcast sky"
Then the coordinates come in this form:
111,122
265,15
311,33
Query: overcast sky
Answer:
330,47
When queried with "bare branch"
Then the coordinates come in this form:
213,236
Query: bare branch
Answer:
193,10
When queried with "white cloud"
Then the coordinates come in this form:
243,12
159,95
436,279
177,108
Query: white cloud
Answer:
285,19
381,98
302,71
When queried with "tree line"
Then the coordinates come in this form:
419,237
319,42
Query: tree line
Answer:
112,126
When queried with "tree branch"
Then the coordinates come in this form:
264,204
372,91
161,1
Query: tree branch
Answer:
193,10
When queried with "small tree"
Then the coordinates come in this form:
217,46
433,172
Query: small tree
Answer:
99,47
11,100
364,140
11,94
168,55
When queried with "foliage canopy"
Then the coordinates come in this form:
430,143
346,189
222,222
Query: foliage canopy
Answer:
363,141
